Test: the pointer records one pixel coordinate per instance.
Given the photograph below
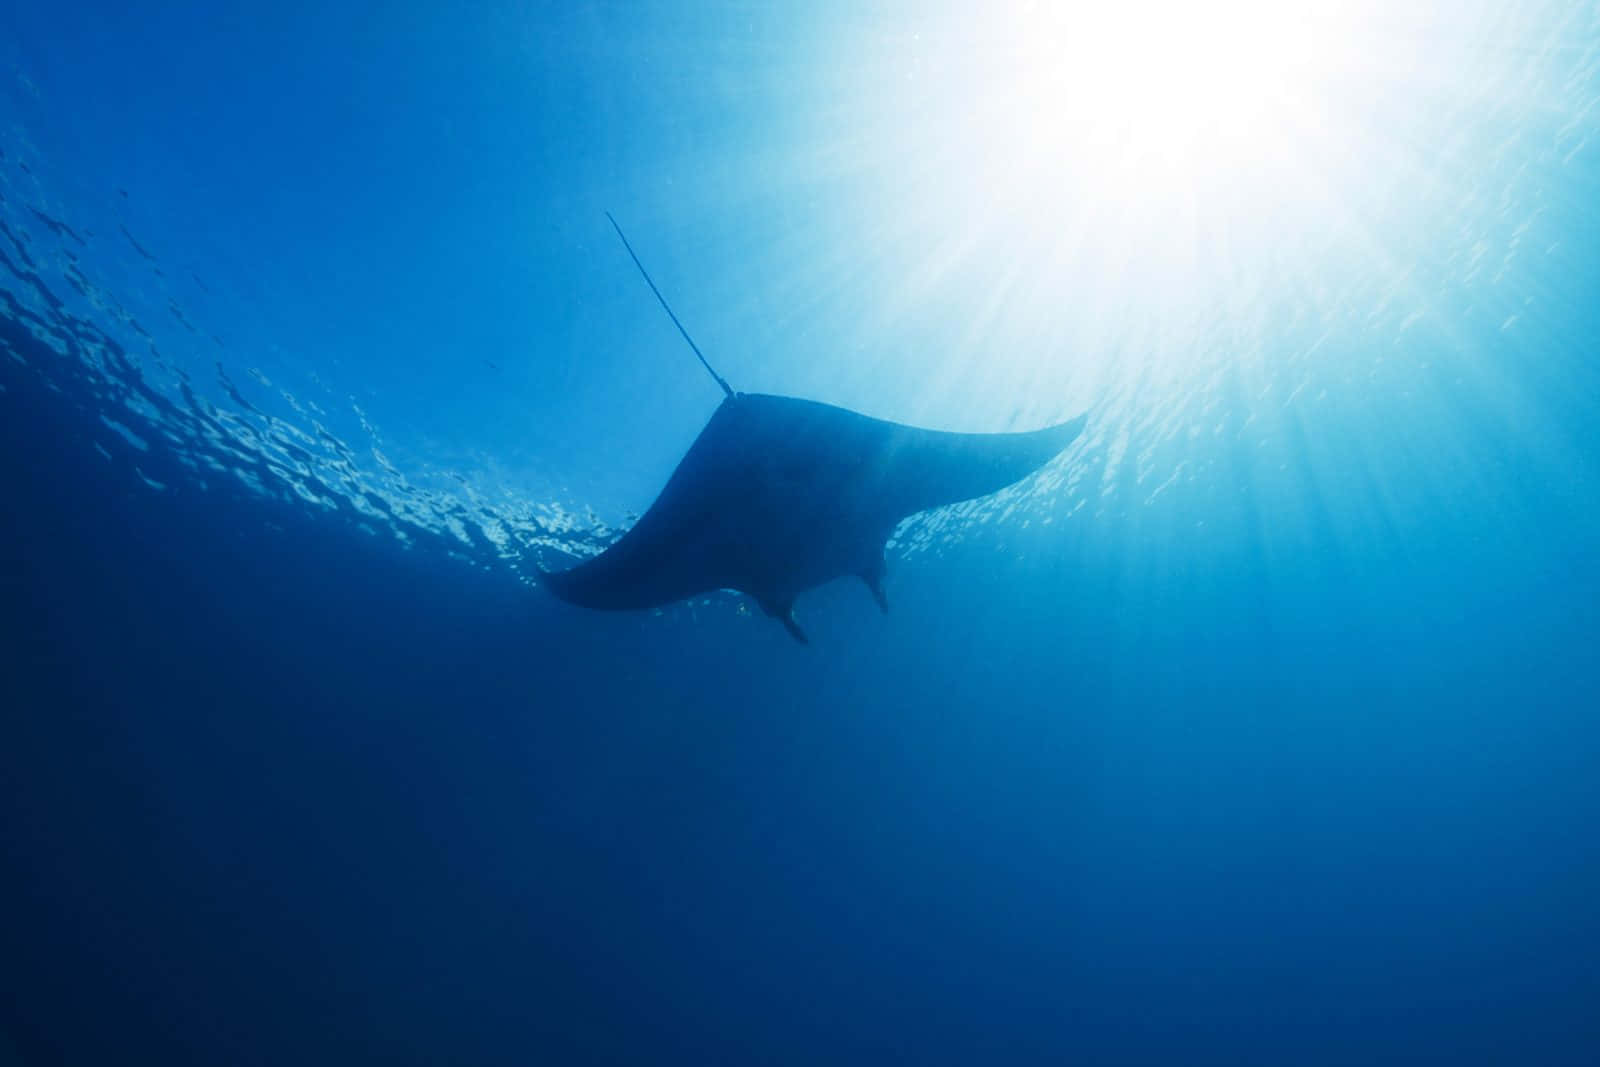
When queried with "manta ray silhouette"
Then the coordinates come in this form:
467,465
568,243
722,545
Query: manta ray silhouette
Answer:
778,495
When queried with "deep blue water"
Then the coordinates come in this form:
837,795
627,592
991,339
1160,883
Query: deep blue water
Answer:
1261,728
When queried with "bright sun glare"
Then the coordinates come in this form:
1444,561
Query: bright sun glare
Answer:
1149,164
1161,95
1166,79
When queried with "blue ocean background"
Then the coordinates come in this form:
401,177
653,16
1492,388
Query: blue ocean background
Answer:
1259,728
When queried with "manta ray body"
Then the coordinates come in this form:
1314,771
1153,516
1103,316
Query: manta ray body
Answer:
778,495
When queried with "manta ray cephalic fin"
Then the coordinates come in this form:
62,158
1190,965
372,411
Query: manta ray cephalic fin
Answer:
787,618
874,580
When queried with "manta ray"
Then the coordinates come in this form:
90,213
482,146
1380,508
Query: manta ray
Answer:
779,495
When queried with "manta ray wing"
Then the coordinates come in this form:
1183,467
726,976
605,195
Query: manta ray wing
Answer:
778,495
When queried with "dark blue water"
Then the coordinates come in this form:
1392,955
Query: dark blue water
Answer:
1259,729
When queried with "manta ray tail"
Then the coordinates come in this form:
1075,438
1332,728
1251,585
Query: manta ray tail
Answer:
726,388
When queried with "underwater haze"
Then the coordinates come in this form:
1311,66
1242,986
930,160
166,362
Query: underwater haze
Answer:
1260,727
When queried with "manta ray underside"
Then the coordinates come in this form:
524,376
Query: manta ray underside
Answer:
778,495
